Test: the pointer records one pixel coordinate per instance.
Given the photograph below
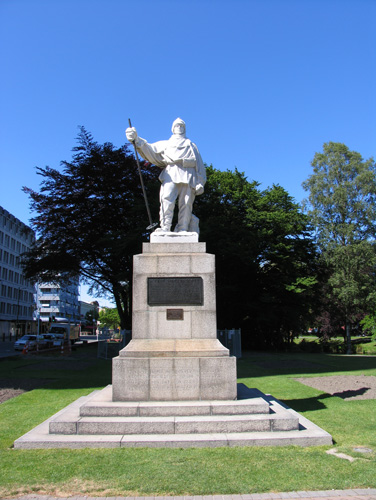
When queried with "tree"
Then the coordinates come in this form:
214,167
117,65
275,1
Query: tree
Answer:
109,317
90,220
92,316
287,272
265,258
342,205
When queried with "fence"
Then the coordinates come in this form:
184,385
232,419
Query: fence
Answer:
232,340
109,344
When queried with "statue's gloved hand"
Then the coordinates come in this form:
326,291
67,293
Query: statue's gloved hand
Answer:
131,134
199,189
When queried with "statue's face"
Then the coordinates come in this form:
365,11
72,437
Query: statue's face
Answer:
179,129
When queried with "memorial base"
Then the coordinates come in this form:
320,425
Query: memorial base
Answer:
174,378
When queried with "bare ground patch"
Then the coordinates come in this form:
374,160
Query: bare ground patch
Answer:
347,387
10,388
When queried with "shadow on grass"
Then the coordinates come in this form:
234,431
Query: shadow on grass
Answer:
261,364
80,369
308,404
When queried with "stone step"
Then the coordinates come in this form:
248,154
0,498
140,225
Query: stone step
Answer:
70,423
68,419
101,405
40,438
278,438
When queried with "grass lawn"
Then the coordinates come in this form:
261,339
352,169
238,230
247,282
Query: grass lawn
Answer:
149,472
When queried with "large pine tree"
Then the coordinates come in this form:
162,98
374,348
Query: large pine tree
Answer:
90,220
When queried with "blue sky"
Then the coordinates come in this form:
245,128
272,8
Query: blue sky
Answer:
261,84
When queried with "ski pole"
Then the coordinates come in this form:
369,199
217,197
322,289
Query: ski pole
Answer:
152,224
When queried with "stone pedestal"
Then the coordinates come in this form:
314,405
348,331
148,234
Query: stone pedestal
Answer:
174,353
174,385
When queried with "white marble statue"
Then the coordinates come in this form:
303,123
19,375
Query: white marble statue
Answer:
183,176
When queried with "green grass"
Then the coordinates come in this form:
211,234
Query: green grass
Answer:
145,472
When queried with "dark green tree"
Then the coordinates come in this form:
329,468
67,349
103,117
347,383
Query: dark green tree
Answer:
90,220
265,258
342,205
286,282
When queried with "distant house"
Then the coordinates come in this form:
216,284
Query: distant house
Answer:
88,307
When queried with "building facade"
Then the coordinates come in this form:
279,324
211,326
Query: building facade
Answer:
56,302
92,308
17,295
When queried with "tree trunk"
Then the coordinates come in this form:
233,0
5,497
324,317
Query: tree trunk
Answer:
123,313
348,337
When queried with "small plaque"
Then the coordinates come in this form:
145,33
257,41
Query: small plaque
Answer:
175,314
175,291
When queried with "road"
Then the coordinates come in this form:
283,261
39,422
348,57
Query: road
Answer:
6,349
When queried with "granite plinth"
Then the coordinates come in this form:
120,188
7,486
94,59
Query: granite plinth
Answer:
153,321
174,353
175,348
174,378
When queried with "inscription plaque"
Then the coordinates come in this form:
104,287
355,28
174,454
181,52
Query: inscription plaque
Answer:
175,314
175,291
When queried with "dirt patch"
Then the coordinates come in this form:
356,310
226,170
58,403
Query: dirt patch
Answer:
10,388
348,387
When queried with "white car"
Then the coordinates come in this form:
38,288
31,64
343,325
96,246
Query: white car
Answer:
30,340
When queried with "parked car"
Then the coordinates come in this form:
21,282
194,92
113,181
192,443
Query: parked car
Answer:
46,340
30,340
58,340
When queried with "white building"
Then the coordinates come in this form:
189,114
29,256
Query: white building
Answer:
58,302
17,295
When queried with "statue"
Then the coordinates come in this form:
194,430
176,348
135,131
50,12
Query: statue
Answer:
183,175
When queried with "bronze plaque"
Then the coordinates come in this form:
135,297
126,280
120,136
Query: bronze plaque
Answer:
175,291
175,314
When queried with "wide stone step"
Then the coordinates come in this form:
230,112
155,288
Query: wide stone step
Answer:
68,423
101,405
